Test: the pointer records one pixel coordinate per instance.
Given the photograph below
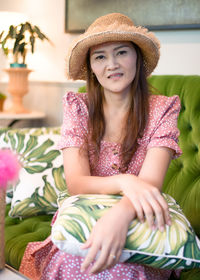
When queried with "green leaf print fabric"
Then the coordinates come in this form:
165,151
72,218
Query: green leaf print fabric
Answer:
42,174
176,248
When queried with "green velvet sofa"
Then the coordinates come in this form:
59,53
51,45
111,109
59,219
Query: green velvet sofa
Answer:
182,180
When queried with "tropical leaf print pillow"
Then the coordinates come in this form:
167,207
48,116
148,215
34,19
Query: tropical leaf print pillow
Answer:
41,177
176,248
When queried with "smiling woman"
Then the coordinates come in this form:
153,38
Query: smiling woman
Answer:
116,139
114,65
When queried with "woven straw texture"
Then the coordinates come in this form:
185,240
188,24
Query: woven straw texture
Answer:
2,222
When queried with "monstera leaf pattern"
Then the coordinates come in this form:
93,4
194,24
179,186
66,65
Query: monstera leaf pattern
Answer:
42,174
177,247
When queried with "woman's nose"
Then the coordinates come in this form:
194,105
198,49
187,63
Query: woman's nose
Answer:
112,63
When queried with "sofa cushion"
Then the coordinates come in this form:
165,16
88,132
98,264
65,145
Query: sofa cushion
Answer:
176,248
41,177
182,180
18,233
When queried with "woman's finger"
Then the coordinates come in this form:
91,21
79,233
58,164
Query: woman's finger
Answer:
90,257
113,258
149,214
138,209
165,208
101,260
87,244
111,261
159,213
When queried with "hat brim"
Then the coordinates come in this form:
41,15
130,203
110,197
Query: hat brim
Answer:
78,54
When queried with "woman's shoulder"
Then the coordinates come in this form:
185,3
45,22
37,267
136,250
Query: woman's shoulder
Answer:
75,97
76,103
161,103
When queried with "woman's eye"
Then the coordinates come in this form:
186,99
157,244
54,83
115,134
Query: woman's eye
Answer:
122,52
99,57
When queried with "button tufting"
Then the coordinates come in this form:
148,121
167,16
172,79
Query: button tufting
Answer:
196,148
182,108
189,127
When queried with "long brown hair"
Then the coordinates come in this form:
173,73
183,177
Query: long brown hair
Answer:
137,116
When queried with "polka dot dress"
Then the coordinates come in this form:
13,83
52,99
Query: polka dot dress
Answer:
43,260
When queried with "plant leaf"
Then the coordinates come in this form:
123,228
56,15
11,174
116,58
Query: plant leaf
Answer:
58,175
49,192
1,35
12,32
32,142
32,41
40,150
36,29
22,29
36,168
49,157
28,27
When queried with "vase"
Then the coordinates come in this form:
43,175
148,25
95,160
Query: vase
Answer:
2,100
2,225
18,87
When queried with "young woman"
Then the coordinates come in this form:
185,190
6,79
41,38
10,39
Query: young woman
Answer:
116,138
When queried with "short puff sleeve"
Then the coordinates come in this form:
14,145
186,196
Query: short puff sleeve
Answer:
164,112
75,119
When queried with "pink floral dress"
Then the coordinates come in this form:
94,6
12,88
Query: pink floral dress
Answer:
43,260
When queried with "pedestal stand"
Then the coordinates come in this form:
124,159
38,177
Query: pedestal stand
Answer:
18,87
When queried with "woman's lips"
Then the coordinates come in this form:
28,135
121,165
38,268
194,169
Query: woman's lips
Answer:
115,76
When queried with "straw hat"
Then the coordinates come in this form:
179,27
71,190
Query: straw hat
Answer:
110,28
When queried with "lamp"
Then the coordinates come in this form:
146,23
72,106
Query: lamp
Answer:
9,18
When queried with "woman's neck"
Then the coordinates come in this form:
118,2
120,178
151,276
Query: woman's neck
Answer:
116,109
116,102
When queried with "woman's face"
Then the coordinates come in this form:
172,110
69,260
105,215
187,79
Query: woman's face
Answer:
114,65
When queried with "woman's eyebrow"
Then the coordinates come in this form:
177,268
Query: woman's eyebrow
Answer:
115,49
121,46
96,52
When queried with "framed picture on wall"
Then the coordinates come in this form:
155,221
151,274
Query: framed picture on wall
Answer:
154,14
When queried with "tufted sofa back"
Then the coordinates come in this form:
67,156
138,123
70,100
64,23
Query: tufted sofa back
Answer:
183,177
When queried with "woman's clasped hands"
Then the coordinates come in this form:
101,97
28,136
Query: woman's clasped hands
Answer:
108,236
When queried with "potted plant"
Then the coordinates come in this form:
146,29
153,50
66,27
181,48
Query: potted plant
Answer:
18,39
2,99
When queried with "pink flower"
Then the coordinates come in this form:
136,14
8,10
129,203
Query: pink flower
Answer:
9,168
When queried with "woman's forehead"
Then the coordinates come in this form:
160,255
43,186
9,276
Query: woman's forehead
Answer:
110,45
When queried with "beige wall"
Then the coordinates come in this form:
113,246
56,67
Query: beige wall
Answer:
43,96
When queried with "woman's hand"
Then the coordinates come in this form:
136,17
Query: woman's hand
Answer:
148,202
107,238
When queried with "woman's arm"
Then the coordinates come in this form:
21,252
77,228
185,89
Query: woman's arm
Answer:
145,193
79,179
143,190
141,193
